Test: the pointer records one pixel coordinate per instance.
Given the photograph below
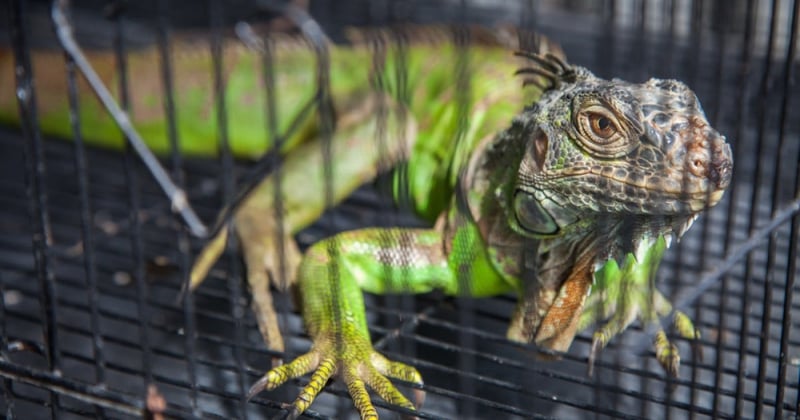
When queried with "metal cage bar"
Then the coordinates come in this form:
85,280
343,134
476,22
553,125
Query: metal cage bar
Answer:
92,260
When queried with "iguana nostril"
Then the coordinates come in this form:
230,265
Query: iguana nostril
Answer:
721,165
697,164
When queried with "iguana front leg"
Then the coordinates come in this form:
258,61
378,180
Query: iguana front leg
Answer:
356,157
331,278
625,293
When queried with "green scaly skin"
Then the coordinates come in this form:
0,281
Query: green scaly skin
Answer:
591,182
584,179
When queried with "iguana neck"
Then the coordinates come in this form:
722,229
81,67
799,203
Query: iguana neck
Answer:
485,187
539,266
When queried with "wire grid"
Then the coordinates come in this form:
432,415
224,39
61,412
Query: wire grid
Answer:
91,259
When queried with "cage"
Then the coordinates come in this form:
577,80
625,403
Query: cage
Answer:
93,261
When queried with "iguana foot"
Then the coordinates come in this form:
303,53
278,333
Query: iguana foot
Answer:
357,364
624,315
667,352
649,306
269,258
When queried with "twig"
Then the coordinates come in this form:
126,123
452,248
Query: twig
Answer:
176,195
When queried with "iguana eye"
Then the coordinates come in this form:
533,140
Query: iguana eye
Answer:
601,133
602,125
599,124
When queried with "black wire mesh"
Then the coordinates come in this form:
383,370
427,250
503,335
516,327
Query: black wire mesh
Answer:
92,259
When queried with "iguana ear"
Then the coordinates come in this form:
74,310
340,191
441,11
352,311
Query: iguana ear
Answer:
532,217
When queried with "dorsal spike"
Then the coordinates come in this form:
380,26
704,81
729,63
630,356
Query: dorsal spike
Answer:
547,65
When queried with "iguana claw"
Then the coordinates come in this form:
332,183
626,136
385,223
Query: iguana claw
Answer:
667,353
597,345
357,365
618,323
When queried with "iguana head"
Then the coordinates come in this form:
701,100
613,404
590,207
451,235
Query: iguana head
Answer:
598,147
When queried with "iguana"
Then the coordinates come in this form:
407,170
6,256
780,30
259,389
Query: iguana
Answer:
565,192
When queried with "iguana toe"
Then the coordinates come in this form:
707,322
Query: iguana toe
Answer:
667,353
358,391
385,389
402,372
618,323
279,375
319,378
686,329
598,343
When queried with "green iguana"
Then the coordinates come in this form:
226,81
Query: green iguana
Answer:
565,192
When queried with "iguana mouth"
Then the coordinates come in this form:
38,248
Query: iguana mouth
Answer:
696,193
689,191
697,174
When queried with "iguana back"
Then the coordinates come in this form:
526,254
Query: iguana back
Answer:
457,84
